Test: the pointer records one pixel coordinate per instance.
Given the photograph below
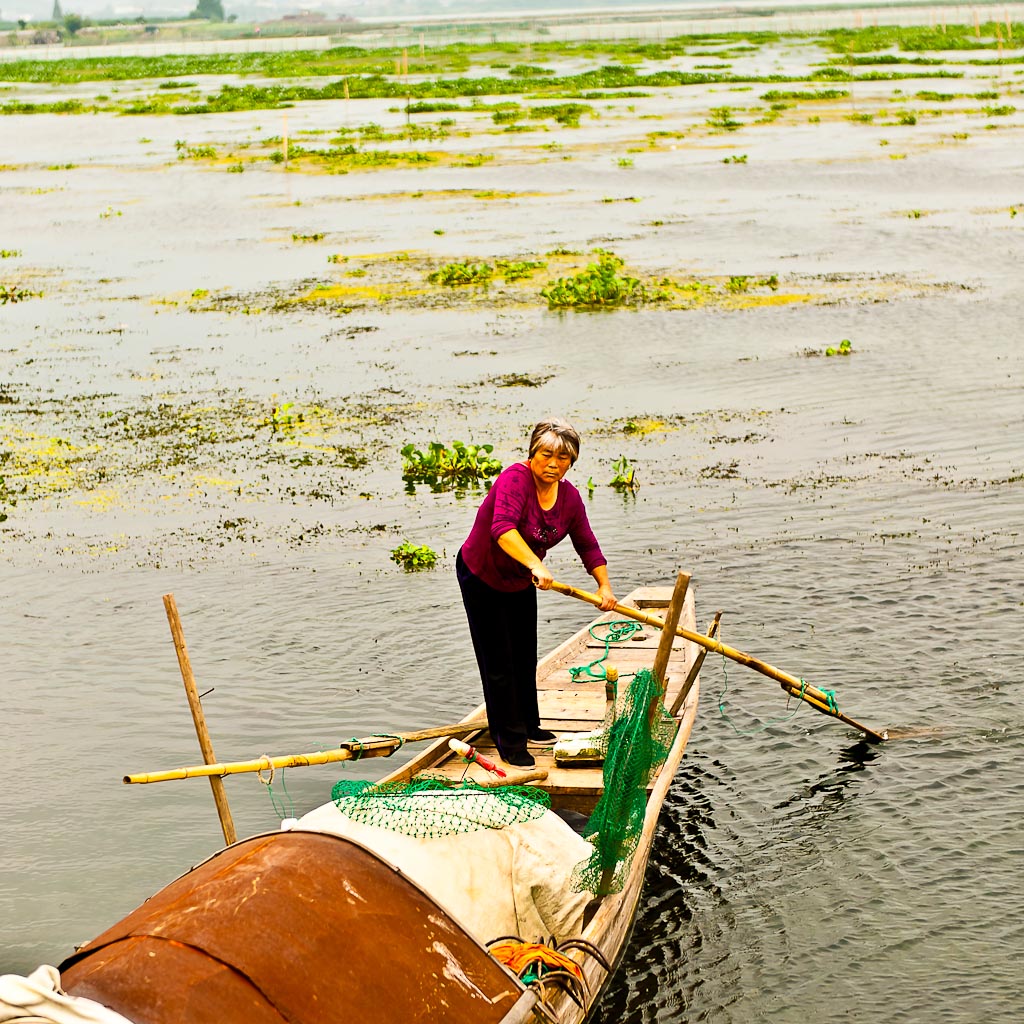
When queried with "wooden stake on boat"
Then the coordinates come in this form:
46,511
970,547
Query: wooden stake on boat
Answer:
691,676
611,681
668,635
374,746
220,798
819,701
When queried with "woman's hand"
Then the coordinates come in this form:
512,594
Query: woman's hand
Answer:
542,579
607,596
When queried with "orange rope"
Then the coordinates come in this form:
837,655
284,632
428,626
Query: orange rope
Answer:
517,956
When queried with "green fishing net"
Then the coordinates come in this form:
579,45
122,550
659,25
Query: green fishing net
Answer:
432,808
633,753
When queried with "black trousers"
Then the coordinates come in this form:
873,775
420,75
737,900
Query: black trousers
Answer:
504,630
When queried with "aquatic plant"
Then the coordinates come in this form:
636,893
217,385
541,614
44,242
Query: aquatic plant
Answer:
7,254
7,500
721,118
187,152
803,94
568,114
736,158
413,558
443,468
623,475
454,274
12,294
516,270
915,38
844,349
283,418
314,236
598,286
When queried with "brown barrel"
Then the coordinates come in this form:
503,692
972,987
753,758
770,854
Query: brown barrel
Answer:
297,927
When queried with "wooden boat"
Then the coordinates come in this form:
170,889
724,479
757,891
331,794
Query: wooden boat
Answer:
302,926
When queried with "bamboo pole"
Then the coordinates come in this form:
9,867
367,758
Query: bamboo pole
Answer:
374,746
220,798
668,635
804,691
684,690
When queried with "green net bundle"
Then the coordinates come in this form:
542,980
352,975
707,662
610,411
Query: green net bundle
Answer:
634,752
432,808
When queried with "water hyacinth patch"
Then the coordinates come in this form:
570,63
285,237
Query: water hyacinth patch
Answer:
444,468
600,286
413,558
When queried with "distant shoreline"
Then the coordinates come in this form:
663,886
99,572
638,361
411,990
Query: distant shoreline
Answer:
654,22
676,11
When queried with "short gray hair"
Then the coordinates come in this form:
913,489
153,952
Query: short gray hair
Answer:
556,434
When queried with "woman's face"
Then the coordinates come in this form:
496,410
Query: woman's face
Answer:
549,466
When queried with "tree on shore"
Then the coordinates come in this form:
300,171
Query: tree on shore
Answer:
211,10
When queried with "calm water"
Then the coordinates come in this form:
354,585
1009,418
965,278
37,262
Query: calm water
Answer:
857,520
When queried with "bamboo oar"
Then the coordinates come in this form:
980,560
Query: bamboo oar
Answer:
373,746
791,684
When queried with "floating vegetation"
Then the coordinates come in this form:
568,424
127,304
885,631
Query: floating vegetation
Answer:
804,94
413,558
454,274
644,425
623,475
915,38
721,119
736,158
843,349
517,270
721,471
187,152
13,293
7,500
519,380
600,286
444,468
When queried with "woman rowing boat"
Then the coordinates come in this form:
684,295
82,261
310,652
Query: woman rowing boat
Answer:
528,510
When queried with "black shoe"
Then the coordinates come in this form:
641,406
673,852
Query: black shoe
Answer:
541,736
519,758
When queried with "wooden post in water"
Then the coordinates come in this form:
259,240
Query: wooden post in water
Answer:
220,797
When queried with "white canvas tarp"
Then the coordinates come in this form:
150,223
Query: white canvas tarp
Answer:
38,999
515,880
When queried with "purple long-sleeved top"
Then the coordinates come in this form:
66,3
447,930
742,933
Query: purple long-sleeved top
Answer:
511,504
